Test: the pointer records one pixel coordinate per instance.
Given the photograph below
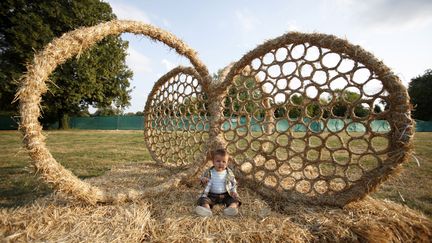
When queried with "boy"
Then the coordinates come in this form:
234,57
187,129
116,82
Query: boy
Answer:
221,187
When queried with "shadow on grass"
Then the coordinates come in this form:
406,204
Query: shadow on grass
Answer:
19,187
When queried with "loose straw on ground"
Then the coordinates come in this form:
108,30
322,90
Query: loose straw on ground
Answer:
169,217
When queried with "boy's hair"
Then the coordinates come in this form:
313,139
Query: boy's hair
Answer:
221,152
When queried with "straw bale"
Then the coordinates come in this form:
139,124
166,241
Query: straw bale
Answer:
169,217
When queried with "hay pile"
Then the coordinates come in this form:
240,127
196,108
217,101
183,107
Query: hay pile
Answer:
169,217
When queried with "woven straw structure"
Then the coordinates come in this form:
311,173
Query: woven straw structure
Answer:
176,121
303,157
282,148
278,113
33,86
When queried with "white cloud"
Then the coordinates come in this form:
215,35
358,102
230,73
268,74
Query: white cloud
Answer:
398,14
166,23
128,12
138,62
387,15
293,26
168,65
341,3
246,46
246,19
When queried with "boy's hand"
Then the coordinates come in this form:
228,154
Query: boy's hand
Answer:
234,195
204,180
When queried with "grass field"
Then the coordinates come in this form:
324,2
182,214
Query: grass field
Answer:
91,153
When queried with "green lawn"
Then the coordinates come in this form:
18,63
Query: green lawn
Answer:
91,153
85,153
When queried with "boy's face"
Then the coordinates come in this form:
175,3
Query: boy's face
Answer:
220,162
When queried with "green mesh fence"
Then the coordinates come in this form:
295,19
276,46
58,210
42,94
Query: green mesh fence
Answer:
423,126
193,123
108,123
8,123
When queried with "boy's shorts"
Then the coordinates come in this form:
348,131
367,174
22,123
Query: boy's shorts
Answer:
214,198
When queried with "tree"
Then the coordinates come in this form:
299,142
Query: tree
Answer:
108,111
193,106
377,109
138,113
341,108
98,78
243,91
421,96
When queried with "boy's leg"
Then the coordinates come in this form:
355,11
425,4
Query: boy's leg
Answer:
231,202
231,206
205,202
204,207
234,205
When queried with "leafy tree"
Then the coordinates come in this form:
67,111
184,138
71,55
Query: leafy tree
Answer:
83,113
377,109
98,78
340,109
167,108
360,111
193,106
139,113
247,91
312,110
280,111
421,96
295,112
108,111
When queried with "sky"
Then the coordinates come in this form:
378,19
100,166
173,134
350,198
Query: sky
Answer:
398,32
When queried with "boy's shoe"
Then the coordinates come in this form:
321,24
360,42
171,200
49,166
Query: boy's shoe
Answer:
203,211
230,211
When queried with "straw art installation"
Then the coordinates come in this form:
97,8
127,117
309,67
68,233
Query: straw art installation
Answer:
306,117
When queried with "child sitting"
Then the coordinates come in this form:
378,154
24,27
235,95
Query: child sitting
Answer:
221,187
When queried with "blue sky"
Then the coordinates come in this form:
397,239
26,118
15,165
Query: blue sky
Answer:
397,32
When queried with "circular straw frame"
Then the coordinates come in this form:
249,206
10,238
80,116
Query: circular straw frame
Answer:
292,168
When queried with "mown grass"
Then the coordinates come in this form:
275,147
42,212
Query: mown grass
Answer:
413,186
91,153
85,153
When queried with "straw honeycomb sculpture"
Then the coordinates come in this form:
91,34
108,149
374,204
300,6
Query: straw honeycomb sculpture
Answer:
298,115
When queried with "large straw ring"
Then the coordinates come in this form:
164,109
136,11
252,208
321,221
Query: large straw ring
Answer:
33,86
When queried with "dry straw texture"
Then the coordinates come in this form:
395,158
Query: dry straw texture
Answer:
299,154
176,124
169,217
298,115
33,86
188,115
